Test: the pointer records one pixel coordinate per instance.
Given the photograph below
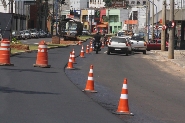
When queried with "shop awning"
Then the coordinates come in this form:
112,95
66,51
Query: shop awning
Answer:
102,25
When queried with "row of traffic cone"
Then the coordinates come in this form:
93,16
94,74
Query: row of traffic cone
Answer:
123,107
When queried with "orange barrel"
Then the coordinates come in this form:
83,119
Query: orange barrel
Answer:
5,52
42,55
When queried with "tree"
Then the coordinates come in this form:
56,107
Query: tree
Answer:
105,18
108,3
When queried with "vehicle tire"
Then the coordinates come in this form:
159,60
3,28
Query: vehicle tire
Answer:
144,52
96,51
108,52
127,53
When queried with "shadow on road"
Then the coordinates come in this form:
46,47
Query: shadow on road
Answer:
31,70
12,90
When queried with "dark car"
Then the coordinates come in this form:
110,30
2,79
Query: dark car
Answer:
16,35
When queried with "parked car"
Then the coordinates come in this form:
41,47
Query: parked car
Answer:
119,45
27,34
138,44
16,35
155,45
34,33
22,35
42,34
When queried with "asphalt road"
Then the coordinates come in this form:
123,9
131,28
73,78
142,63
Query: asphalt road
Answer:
155,96
45,95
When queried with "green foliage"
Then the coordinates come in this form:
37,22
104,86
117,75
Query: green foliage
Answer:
15,41
108,3
105,18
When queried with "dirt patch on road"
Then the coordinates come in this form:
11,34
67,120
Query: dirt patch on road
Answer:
167,66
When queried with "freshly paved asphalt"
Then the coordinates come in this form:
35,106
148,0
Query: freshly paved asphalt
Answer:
45,95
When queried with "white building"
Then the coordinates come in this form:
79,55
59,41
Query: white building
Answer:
78,4
96,3
20,10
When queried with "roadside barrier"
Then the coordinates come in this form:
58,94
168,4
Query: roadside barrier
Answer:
82,52
90,81
70,62
91,48
123,107
5,53
73,57
87,49
42,56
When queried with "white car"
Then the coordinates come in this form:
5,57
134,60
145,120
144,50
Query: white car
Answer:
119,45
138,44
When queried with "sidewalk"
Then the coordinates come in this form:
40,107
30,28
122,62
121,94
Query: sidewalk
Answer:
179,57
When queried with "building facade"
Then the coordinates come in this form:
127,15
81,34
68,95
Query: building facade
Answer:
96,3
21,13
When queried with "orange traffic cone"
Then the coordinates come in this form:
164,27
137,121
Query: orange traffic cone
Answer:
70,63
123,107
5,53
91,48
82,52
73,56
79,42
90,82
87,49
42,56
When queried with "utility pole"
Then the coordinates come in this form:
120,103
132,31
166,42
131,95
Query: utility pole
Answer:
153,20
148,18
11,20
171,32
163,32
108,22
91,21
146,24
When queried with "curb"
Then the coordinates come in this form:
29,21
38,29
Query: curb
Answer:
29,51
171,60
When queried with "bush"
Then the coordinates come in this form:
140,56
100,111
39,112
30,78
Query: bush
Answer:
15,41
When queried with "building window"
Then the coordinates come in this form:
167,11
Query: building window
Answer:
144,2
138,3
90,1
132,2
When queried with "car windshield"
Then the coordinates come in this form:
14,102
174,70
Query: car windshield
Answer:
137,38
120,33
32,30
26,31
121,40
